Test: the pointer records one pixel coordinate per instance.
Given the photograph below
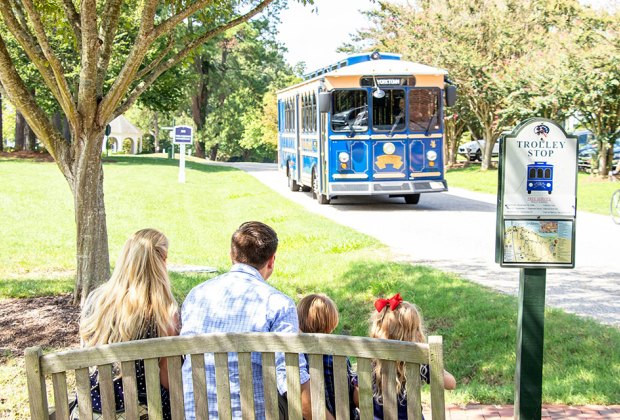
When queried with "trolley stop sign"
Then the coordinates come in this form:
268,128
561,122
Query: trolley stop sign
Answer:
537,196
182,134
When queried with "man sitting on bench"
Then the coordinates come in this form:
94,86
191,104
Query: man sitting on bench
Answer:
242,301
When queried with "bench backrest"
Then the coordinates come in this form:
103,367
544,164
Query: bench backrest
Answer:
56,365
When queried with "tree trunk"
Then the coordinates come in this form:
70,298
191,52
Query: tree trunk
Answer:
93,261
31,138
213,152
489,142
200,149
156,131
1,116
20,124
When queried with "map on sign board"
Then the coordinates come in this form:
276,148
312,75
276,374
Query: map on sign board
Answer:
538,241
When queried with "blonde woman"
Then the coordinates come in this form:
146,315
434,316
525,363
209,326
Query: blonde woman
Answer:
136,303
395,319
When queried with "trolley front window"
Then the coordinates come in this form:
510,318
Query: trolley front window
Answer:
424,109
350,110
388,112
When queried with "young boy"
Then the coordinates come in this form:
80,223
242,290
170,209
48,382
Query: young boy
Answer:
317,313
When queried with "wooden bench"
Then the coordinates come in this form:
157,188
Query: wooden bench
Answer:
57,364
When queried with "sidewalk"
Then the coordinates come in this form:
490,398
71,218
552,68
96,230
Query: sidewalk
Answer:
476,411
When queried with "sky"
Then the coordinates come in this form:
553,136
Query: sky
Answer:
314,37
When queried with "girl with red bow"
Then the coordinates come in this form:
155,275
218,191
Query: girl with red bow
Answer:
395,319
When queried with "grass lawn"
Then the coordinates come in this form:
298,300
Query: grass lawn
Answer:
581,364
593,193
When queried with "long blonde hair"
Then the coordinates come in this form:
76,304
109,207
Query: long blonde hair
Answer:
137,299
404,323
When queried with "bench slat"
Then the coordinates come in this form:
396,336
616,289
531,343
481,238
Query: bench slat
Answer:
106,390
293,386
153,390
317,385
199,382
341,388
235,342
222,383
414,398
246,385
175,381
82,384
388,386
270,384
36,383
364,377
59,383
438,407
130,389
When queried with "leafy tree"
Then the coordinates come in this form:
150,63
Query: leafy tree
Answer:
96,59
232,74
595,81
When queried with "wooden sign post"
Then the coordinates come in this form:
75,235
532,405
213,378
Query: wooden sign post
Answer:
535,230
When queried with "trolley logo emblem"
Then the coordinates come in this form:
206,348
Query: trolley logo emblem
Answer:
540,177
541,130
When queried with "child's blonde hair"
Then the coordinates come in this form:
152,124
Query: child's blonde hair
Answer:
317,313
404,323
137,299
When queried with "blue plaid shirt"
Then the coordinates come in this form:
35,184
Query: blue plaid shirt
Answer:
238,301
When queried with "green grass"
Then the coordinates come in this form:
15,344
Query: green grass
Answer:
315,255
593,193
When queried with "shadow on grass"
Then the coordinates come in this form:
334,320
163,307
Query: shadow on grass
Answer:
150,161
478,326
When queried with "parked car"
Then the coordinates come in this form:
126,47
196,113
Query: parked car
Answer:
590,151
473,150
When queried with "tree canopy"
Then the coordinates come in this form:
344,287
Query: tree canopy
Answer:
96,59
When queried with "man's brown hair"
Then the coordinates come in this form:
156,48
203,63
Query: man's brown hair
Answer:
317,313
253,243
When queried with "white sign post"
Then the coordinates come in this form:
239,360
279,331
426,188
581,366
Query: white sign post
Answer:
182,136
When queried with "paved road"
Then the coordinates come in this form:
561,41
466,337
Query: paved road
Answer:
455,231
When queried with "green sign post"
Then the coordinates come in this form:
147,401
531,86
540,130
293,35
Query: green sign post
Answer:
536,213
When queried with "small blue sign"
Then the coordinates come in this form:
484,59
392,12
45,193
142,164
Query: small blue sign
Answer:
182,134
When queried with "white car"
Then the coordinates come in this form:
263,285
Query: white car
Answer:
473,150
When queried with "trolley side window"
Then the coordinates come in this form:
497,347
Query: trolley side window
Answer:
350,110
424,109
388,112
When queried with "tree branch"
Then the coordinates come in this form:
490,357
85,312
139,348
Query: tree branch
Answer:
74,20
109,26
33,51
126,77
143,86
65,97
146,70
87,105
19,94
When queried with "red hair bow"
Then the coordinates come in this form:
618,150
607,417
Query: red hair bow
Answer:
394,301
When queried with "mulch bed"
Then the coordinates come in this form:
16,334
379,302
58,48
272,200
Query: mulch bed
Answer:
27,155
49,321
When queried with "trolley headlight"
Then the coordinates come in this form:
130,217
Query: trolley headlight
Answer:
343,157
548,185
389,148
431,155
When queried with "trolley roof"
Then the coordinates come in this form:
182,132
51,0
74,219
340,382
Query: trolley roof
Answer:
386,68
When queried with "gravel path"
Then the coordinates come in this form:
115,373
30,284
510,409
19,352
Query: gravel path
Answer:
455,232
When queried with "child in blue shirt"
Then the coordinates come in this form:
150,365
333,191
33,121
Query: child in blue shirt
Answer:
317,313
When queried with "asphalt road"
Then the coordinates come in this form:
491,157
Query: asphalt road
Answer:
455,231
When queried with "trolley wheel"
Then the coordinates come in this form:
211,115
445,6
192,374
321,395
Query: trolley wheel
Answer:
320,198
614,207
412,198
292,184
